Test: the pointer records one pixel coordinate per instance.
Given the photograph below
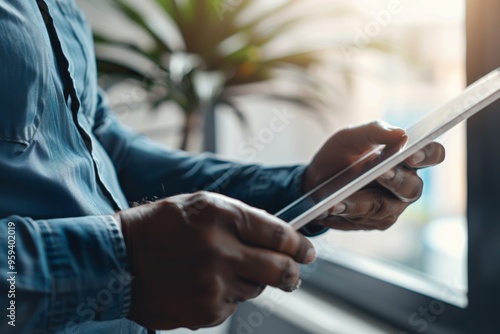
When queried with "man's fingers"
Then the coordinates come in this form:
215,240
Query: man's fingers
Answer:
339,223
348,145
266,267
258,228
430,155
405,184
372,203
346,224
245,290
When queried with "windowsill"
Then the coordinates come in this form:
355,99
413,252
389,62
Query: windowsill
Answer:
306,310
315,313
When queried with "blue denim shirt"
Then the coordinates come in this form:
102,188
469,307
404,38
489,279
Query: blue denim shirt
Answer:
66,165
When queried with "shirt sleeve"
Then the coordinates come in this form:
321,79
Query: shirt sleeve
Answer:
147,170
62,272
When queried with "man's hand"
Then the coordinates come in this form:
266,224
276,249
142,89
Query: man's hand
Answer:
194,257
378,205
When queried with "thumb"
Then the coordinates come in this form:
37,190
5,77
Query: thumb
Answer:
347,146
355,141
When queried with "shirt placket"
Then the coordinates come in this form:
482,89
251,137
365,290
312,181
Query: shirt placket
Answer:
70,93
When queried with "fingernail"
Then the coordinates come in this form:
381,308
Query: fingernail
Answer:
389,175
337,208
310,255
418,157
299,283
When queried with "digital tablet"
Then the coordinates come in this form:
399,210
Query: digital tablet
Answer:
378,161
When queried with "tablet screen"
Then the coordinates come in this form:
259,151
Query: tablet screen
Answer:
372,165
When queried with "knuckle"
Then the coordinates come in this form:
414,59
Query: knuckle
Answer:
302,250
290,274
416,191
251,293
377,206
201,199
399,178
352,207
279,235
199,202
243,221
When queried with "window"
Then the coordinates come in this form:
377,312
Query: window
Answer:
426,69
404,58
418,304
437,270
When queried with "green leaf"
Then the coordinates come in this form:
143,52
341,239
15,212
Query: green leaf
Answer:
240,115
280,8
300,59
136,17
204,25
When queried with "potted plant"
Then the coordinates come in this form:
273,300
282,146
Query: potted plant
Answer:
210,56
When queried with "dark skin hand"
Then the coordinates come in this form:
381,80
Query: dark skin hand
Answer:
377,206
194,257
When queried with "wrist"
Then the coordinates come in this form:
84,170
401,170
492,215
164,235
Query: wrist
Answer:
123,222
118,220
307,180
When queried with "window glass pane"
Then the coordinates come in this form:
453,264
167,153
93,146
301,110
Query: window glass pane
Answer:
431,235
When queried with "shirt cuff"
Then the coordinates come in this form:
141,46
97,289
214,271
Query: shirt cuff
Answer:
312,230
273,188
309,230
89,272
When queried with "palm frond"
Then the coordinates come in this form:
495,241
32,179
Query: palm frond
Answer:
206,28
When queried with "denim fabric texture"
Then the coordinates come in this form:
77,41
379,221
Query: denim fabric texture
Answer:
67,165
